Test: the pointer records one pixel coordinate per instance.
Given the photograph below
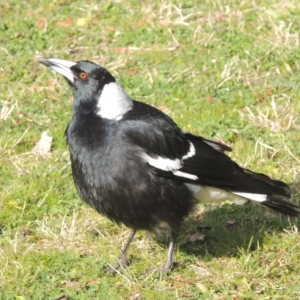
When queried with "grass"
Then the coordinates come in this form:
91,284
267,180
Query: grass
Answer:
228,70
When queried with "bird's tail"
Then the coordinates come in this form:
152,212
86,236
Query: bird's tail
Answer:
205,194
272,194
282,206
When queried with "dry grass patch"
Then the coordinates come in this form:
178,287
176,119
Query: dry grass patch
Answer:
279,116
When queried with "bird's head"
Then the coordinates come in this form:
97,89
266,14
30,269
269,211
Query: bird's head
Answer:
93,87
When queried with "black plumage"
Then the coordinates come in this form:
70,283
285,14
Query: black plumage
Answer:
133,164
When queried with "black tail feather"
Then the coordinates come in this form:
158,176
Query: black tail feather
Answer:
282,206
278,187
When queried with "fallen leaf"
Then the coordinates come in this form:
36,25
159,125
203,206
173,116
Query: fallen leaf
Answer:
41,23
201,287
6,110
177,277
230,222
43,146
269,93
82,21
109,28
136,296
195,236
121,49
186,295
65,23
163,108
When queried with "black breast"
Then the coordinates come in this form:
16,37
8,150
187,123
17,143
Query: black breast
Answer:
111,176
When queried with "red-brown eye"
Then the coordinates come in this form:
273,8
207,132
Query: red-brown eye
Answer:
83,75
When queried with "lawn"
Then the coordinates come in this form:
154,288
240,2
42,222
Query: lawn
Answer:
227,70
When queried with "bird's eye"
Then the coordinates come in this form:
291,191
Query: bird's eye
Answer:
83,75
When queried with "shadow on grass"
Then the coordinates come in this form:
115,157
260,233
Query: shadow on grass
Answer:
225,230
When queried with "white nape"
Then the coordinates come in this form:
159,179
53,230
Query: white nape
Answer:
113,102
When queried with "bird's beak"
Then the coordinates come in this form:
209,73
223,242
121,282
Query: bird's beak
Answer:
60,66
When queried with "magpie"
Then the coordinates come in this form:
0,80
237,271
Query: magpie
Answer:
133,164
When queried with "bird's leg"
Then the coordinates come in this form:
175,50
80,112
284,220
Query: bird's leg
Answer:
122,260
167,266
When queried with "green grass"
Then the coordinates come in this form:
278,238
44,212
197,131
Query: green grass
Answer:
228,70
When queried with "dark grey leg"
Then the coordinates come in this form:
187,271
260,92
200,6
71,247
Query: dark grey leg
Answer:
122,260
167,266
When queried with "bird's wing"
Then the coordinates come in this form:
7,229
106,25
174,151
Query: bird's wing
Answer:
215,168
181,156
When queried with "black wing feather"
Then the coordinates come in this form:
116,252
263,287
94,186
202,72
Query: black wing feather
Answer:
214,168
157,135
154,132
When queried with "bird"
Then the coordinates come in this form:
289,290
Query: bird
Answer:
134,165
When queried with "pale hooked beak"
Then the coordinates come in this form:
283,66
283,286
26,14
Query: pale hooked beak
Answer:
60,66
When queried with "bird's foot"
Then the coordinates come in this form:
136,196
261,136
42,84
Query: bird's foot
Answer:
122,262
162,270
166,267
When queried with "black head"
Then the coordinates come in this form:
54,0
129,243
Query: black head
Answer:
94,88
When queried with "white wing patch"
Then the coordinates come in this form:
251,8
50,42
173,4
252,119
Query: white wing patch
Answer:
172,165
161,163
113,102
192,151
186,175
253,197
